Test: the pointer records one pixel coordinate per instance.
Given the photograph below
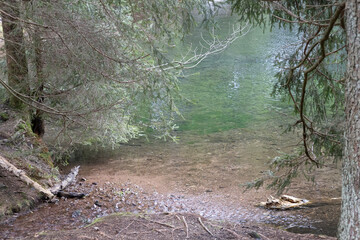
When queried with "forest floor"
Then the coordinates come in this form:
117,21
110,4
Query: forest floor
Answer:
110,211
160,190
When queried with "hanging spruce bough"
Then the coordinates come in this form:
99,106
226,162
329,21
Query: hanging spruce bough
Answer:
311,76
97,68
322,79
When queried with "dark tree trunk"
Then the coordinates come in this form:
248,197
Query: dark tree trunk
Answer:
37,120
349,227
37,123
15,50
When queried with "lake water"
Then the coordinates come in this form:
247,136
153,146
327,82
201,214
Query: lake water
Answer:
232,89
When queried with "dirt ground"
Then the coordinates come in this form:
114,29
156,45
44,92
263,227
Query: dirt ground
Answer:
144,185
14,194
206,174
169,226
110,211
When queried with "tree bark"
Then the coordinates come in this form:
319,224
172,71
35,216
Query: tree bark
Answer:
349,227
15,50
37,118
69,179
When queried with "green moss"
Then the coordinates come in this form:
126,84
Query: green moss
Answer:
26,125
34,173
17,206
46,157
95,221
4,116
42,233
54,174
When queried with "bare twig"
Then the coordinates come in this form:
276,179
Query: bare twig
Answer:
202,224
186,226
237,236
299,18
125,228
214,46
233,233
306,123
160,223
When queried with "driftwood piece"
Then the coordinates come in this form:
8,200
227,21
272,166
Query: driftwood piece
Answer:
21,174
291,199
69,179
284,202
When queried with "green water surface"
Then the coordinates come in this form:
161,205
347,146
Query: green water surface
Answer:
232,89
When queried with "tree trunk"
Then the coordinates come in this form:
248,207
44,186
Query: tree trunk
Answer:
349,227
37,119
15,50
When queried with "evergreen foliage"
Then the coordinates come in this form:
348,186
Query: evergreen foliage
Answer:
311,75
96,67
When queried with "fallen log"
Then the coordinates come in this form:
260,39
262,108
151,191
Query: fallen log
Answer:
58,188
69,179
21,174
48,193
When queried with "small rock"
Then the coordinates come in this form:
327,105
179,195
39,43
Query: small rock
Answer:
96,229
208,190
54,200
76,214
94,183
97,203
83,179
